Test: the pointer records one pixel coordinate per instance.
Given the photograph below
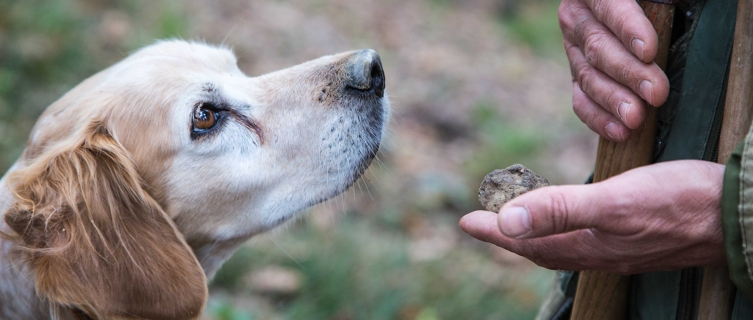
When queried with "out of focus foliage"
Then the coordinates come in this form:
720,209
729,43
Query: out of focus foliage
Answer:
47,47
370,268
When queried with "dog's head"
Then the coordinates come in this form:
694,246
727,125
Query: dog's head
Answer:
147,175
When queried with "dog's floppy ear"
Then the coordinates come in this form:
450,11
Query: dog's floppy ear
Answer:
96,241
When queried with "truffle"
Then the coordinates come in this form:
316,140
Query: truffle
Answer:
501,186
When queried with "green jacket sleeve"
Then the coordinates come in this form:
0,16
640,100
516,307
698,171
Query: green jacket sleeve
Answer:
737,216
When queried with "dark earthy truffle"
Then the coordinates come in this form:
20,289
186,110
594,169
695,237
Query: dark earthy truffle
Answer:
501,186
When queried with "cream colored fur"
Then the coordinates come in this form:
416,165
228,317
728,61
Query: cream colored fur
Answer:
291,139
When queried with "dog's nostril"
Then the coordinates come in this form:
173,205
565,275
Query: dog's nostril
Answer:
377,77
365,73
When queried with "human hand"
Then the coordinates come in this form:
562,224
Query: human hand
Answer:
611,47
664,216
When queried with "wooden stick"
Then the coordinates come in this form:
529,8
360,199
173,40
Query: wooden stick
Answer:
601,295
717,289
737,107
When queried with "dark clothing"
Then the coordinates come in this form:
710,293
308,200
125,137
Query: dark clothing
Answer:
689,128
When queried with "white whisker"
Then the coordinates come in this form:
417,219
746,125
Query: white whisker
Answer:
366,184
228,34
288,254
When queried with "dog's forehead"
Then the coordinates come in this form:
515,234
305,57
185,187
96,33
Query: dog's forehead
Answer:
188,55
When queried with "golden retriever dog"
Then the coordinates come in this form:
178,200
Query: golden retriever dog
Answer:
137,184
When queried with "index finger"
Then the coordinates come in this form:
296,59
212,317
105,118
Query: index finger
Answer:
626,20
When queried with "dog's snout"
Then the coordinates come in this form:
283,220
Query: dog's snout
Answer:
365,73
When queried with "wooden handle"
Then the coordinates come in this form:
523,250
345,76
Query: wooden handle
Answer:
737,107
601,295
717,289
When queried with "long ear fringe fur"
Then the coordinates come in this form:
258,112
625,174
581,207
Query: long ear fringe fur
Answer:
95,239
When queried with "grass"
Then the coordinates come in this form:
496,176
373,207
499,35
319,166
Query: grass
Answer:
502,144
359,271
46,47
534,24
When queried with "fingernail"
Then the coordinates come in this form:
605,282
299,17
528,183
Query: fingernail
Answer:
622,110
647,89
613,131
515,222
638,47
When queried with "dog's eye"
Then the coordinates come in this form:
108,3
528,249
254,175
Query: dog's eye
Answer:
204,117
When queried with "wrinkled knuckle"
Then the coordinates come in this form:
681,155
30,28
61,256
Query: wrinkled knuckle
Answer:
560,211
598,8
616,20
580,29
593,46
585,74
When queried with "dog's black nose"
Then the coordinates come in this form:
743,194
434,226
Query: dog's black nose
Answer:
365,73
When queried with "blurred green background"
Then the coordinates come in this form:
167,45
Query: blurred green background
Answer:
475,85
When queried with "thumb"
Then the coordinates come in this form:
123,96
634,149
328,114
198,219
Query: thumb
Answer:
552,210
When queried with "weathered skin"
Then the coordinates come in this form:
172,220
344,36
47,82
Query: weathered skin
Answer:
502,185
